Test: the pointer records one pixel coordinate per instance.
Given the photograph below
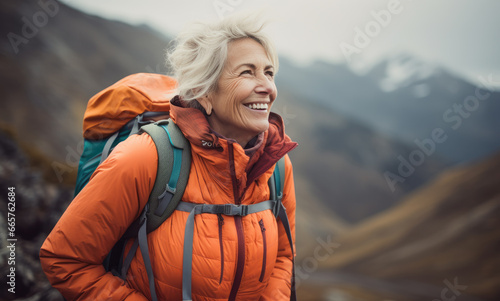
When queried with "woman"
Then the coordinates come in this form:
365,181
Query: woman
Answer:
226,88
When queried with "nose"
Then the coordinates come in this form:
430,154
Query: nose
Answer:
265,85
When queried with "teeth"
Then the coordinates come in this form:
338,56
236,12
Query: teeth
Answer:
258,106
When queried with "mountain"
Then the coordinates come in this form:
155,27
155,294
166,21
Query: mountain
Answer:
47,81
342,162
405,98
340,167
445,232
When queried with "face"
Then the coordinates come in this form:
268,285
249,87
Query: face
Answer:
239,107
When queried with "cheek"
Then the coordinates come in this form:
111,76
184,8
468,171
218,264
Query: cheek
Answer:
274,94
239,92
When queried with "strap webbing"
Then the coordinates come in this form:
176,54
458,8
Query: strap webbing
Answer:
143,245
128,259
194,209
284,220
281,175
135,127
107,146
277,181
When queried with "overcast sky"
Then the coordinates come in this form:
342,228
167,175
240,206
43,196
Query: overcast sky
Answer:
461,35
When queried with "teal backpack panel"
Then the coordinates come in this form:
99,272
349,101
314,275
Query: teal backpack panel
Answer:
91,157
95,151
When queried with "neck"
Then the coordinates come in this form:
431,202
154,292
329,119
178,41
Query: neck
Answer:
240,138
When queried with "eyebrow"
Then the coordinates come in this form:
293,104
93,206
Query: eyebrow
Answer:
253,66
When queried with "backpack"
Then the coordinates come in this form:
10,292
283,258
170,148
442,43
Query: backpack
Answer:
174,160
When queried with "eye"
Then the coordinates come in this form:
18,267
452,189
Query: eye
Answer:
248,71
270,73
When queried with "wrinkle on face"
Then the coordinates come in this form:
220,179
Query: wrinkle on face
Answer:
246,78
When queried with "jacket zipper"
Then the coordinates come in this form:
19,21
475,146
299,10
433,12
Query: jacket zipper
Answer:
221,223
240,263
263,230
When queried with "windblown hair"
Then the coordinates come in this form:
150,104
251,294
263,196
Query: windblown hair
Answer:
198,58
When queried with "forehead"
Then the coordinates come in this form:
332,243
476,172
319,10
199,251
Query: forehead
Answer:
246,50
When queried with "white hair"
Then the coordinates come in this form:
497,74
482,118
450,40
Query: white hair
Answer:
200,53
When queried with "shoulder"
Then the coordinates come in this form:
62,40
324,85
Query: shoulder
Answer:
135,145
288,166
136,155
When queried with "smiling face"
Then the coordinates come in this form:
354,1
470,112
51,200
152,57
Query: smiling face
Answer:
239,108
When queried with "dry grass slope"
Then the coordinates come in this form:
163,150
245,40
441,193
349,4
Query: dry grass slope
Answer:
448,229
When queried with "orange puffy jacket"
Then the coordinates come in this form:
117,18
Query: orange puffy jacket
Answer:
229,258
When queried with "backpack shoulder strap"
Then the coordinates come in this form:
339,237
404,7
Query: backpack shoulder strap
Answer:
280,175
174,162
276,184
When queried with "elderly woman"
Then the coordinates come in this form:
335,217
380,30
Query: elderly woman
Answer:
225,73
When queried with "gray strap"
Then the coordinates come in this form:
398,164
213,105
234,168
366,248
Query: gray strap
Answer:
272,195
164,200
281,170
194,209
284,220
143,119
143,245
153,114
107,146
227,209
128,259
135,127
187,260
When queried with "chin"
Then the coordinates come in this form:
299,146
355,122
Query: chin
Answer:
261,127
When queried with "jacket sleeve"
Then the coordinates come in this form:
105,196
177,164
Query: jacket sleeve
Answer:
73,253
279,284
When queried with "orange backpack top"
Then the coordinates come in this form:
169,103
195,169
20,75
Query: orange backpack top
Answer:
111,109
118,112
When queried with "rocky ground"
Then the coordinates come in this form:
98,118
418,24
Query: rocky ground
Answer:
38,206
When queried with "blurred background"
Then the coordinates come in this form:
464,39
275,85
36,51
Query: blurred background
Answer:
395,106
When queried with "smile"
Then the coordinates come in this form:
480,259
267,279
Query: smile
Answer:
258,106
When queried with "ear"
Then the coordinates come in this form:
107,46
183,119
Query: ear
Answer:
206,103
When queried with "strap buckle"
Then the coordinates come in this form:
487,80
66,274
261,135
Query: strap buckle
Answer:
231,209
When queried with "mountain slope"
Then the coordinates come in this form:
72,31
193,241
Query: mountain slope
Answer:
407,99
343,161
339,164
53,75
448,229
46,86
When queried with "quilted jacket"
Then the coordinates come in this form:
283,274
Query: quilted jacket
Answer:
234,257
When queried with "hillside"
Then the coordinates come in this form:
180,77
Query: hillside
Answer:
341,162
339,165
406,98
46,84
448,229
57,71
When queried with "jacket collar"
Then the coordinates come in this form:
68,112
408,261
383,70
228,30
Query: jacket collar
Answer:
274,143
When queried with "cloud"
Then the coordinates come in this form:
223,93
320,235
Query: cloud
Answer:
458,34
